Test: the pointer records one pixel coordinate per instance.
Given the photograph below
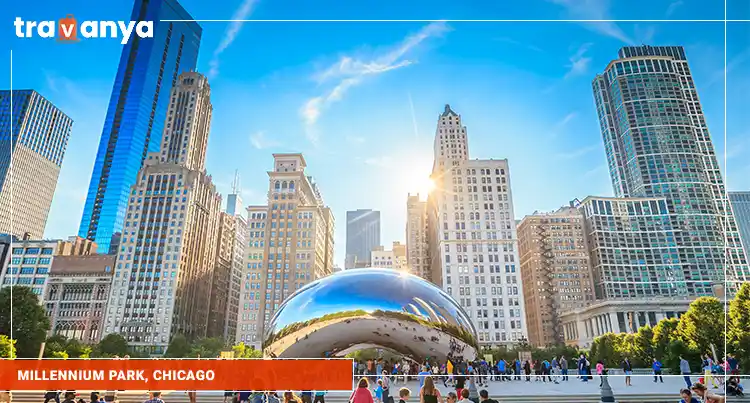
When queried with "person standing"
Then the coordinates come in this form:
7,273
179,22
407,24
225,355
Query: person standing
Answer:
527,370
320,396
627,368
685,371
582,366
360,395
386,387
555,369
429,393
708,366
564,368
656,366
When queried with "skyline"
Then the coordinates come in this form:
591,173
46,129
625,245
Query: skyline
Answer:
373,108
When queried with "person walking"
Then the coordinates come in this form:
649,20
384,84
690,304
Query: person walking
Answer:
320,396
527,370
379,391
360,395
627,368
564,368
656,366
386,387
582,369
708,366
685,371
428,393
460,384
517,365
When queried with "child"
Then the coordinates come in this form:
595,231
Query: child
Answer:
379,392
403,395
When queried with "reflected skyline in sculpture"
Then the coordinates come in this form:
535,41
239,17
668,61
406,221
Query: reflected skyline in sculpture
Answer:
364,308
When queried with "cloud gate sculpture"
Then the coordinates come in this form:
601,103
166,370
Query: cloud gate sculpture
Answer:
363,308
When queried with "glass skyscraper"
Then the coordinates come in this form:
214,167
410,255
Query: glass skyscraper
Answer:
362,235
137,110
658,145
741,207
33,138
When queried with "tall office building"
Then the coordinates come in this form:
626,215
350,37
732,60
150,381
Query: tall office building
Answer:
362,236
235,209
289,244
658,145
473,243
740,202
221,280
32,147
555,269
137,114
395,258
168,250
417,247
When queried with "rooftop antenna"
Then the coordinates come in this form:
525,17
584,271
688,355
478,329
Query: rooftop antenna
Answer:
236,182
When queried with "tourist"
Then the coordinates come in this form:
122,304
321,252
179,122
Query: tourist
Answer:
517,367
272,397
527,370
564,368
320,396
656,366
379,391
290,397
403,395
708,368
386,387
70,397
600,372
583,368
465,396
685,371
501,368
687,397
555,369
732,364
421,375
243,396
96,397
361,394
546,367
460,383
484,397
471,386
707,396
154,397
228,394
306,396
52,395
627,368
429,393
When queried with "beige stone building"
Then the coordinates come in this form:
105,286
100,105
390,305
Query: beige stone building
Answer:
395,258
30,161
289,244
417,247
221,280
555,270
168,251
77,294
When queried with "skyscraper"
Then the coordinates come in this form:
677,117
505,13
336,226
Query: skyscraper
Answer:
137,113
658,145
555,268
741,208
32,147
417,247
362,235
167,255
472,235
289,244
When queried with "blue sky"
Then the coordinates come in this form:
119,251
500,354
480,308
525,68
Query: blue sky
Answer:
361,100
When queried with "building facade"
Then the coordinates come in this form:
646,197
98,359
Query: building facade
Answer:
555,270
32,146
658,145
77,294
221,280
235,209
417,246
137,114
474,247
740,202
289,244
166,258
390,259
31,261
362,236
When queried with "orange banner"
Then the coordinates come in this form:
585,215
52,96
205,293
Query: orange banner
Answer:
179,374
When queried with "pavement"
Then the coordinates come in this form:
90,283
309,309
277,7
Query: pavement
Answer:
643,390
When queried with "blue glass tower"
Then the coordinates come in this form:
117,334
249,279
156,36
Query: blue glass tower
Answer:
658,146
135,118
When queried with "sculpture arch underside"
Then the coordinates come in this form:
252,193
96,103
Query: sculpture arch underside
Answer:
367,308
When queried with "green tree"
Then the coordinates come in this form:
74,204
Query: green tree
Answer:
242,350
179,347
703,325
54,344
643,347
738,327
30,322
605,348
209,347
664,333
111,345
60,354
7,347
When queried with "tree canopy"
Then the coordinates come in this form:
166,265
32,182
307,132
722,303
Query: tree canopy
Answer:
30,322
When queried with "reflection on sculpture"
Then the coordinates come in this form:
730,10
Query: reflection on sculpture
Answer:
370,307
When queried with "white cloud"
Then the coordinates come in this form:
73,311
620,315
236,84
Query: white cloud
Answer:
349,72
594,10
579,62
230,34
564,121
259,141
673,6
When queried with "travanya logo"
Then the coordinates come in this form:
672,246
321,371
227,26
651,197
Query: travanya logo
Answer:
67,29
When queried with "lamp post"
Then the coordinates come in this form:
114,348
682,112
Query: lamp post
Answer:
606,395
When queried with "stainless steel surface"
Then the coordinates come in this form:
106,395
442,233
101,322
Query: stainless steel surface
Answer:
361,308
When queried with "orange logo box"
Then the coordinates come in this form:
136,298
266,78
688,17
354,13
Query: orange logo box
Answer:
67,29
167,374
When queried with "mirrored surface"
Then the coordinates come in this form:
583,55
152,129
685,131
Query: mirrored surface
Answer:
362,308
